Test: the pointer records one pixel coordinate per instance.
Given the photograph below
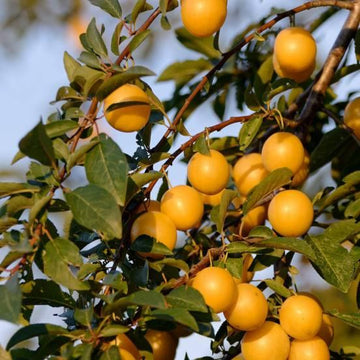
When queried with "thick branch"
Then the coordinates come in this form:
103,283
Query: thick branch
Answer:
332,62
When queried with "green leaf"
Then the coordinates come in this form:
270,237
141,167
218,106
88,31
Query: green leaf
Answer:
353,209
178,315
95,39
278,287
37,145
201,146
94,208
218,213
239,247
352,319
10,300
84,316
38,207
139,7
339,193
261,232
146,244
8,188
353,178
138,180
112,7
332,261
134,72
202,45
248,131
6,223
71,65
263,76
35,330
111,354
251,100
57,256
59,128
182,72
138,39
45,292
188,298
62,151
90,60
116,37
292,244
357,45
142,298
113,330
328,147
272,182
78,156
176,263
106,166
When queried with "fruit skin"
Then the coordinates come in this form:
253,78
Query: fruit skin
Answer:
254,217
269,342
326,331
128,118
352,116
156,225
124,343
163,344
126,355
249,310
183,205
217,287
149,205
203,18
248,171
312,349
208,174
291,213
294,54
301,317
283,149
302,174
212,200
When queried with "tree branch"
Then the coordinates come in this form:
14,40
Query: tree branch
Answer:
184,146
332,62
225,57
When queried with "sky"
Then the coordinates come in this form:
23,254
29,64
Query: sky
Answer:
31,77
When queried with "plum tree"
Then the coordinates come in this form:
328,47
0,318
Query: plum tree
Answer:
95,228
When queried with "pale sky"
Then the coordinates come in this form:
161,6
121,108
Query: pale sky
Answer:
31,77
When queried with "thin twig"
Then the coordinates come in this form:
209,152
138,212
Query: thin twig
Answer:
342,42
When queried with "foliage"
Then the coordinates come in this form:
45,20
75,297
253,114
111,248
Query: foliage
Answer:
86,263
